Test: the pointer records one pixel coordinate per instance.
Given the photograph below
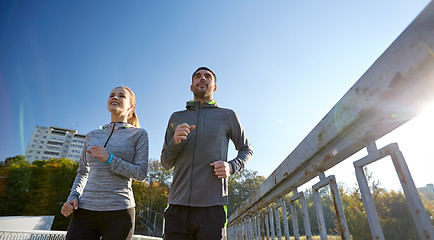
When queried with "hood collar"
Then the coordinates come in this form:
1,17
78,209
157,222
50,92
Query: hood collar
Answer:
194,104
118,125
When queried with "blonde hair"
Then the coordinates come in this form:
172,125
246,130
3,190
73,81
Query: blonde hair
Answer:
132,116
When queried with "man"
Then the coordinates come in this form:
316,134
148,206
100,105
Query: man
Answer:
196,144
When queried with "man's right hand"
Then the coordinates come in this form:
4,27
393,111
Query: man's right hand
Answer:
182,131
69,207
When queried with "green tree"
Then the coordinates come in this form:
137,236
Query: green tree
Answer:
427,196
157,173
34,189
328,210
153,192
51,184
355,214
16,173
395,216
393,213
241,186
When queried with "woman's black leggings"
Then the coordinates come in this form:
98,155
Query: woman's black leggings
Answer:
116,225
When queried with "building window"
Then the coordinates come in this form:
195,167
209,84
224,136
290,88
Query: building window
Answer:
54,143
51,153
57,138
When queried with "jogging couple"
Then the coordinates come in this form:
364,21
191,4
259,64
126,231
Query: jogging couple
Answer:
195,145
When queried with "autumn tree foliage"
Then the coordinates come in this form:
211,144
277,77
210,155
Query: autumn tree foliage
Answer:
154,191
241,186
36,189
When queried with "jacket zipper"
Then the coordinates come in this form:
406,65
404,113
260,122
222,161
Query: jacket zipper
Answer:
194,151
113,129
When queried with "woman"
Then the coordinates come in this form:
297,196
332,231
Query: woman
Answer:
101,196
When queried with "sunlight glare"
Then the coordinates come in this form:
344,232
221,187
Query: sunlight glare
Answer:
415,140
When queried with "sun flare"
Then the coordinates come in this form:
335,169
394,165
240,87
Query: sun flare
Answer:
415,140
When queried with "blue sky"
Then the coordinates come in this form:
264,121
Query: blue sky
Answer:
281,65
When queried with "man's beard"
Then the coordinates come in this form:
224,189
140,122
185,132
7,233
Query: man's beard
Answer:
199,93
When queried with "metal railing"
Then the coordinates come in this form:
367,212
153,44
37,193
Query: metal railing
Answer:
152,220
49,235
397,84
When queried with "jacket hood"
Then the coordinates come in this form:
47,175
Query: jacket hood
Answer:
118,125
191,105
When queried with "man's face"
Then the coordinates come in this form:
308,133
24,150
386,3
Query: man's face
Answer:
203,84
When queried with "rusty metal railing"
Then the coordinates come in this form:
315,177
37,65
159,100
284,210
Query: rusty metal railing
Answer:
398,84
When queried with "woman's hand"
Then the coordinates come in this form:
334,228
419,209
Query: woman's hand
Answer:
98,152
69,207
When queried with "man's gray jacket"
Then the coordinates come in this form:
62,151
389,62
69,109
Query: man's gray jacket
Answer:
194,181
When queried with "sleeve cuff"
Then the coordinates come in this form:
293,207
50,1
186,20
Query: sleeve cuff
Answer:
233,168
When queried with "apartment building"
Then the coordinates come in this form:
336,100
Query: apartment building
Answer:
54,142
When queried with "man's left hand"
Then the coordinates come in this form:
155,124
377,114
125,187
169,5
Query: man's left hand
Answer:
222,169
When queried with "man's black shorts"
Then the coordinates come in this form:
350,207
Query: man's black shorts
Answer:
195,223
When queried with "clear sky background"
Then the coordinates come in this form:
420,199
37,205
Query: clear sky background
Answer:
281,65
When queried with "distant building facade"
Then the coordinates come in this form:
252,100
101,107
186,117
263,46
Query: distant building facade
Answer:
54,142
428,188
